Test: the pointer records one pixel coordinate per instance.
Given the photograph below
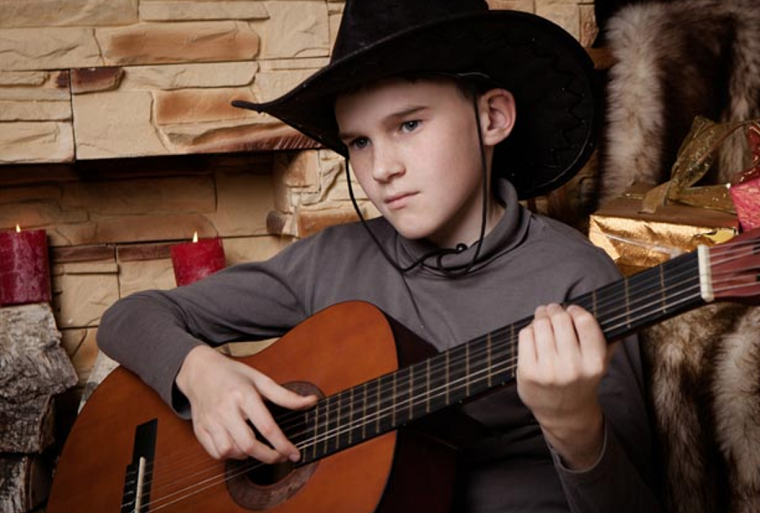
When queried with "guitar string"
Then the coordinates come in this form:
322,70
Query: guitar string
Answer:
221,478
434,369
509,365
328,434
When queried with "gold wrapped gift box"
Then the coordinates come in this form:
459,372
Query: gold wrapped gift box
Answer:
636,240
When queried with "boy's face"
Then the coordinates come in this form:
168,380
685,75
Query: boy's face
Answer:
414,149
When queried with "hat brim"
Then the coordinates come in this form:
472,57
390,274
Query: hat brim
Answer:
545,68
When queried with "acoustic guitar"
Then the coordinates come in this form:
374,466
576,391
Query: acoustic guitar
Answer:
363,445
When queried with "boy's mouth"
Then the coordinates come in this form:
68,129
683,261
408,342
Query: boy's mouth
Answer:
398,200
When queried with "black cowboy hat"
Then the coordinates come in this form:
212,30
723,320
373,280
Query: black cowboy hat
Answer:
545,68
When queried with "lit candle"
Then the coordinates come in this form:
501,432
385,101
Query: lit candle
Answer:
24,270
197,259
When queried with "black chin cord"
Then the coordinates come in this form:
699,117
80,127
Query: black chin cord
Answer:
438,254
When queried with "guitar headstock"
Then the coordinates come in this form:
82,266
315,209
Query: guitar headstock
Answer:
735,268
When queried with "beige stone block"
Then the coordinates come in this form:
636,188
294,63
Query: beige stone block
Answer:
181,10
79,300
589,28
57,13
256,134
27,142
9,195
149,228
141,196
23,78
239,250
300,169
273,84
513,5
35,110
140,275
295,29
93,267
564,14
200,105
178,76
244,200
116,124
64,234
39,214
179,42
90,80
82,348
52,48
336,15
310,222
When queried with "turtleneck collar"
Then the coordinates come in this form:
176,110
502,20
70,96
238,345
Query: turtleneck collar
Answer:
507,233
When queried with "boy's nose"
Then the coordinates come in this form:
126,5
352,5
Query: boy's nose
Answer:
386,164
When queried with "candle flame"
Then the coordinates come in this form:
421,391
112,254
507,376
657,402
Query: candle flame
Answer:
18,229
195,237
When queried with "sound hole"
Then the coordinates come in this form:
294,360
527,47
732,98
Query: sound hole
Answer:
259,487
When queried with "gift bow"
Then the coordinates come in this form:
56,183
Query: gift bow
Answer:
695,158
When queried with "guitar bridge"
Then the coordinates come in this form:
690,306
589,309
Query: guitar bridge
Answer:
139,473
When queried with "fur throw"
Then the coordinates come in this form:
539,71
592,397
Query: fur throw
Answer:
674,61
704,374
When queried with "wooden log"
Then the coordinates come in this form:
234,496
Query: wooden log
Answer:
24,482
33,368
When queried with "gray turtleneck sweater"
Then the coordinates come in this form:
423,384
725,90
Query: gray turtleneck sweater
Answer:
527,260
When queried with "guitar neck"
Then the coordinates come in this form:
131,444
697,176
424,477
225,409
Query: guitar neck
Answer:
390,401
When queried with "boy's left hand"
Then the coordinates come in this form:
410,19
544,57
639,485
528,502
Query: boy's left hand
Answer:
562,357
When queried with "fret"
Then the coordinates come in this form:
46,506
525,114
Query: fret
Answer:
326,435
339,428
316,432
364,412
412,391
427,385
467,375
351,415
393,400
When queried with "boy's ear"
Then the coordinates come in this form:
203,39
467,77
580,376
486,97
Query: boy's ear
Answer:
497,115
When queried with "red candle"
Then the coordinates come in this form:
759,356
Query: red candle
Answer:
24,270
198,259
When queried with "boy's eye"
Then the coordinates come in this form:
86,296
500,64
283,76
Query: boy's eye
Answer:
359,143
409,126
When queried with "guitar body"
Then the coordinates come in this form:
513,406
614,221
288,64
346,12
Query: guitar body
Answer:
341,347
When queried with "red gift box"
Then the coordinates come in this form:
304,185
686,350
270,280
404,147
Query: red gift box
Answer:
745,188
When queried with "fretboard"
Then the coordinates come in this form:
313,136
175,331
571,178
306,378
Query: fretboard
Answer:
392,400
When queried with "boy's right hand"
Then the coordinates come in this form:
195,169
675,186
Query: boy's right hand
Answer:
224,395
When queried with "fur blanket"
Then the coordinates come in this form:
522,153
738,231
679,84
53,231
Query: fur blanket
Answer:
675,61
703,369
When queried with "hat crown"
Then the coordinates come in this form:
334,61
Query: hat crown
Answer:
365,22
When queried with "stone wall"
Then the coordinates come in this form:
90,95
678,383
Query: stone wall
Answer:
117,137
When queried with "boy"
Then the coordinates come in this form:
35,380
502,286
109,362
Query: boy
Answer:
428,100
